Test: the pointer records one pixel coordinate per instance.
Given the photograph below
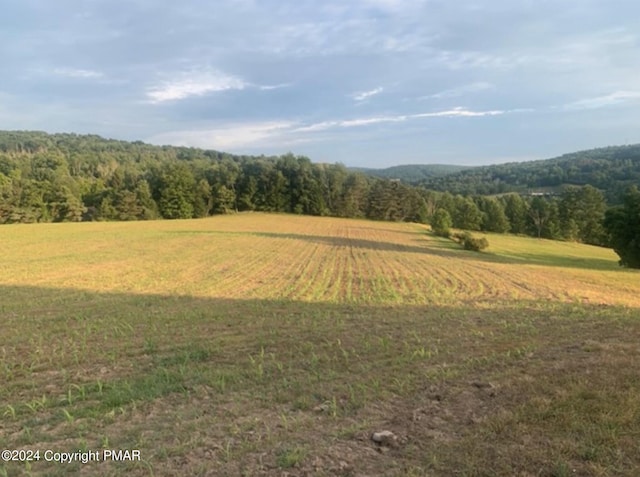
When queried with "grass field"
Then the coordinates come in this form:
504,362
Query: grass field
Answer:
275,345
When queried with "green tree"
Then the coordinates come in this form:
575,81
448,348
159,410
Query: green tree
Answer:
127,206
176,191
64,206
145,199
494,218
516,210
247,190
622,223
333,185
467,214
582,212
223,200
544,218
447,202
430,202
441,223
223,178
203,199
353,200
386,201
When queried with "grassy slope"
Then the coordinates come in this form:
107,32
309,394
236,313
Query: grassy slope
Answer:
259,344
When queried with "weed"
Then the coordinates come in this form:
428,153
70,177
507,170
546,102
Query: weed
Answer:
68,416
10,411
37,405
561,469
290,457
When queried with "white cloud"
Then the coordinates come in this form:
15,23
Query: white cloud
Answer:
282,133
361,96
603,101
226,137
349,123
456,112
77,73
393,5
460,91
277,133
366,121
457,60
461,112
199,83
269,87
194,84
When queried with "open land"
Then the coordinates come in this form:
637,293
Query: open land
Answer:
259,344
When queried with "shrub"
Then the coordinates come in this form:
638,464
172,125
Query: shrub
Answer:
469,242
476,244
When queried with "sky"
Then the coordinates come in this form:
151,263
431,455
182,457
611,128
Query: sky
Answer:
370,83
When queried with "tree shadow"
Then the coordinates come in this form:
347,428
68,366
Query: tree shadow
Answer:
79,365
569,262
437,246
443,247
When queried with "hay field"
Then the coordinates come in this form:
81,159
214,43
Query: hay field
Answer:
261,344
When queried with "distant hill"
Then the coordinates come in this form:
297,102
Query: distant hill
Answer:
412,173
610,169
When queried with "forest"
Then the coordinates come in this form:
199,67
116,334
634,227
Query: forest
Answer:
68,177
412,173
609,169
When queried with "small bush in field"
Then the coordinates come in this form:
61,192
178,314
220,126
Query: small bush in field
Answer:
469,242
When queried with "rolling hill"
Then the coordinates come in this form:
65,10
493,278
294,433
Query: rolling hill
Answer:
267,344
610,169
412,173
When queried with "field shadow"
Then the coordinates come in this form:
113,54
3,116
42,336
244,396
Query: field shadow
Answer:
569,262
434,246
256,375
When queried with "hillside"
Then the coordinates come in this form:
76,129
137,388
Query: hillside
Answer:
74,178
266,344
69,177
412,173
610,169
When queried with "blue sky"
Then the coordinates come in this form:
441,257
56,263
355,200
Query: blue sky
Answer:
363,82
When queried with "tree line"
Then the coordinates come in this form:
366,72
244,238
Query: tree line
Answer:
65,177
610,169
68,177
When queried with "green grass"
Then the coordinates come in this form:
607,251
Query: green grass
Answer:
279,344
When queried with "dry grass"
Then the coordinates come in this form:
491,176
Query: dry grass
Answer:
282,257
274,345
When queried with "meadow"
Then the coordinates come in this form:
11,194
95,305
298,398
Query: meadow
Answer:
257,344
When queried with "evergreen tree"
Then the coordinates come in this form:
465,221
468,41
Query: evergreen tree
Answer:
516,210
354,195
466,214
494,218
582,212
145,200
622,223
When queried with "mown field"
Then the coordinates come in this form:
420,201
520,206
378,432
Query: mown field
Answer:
276,345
